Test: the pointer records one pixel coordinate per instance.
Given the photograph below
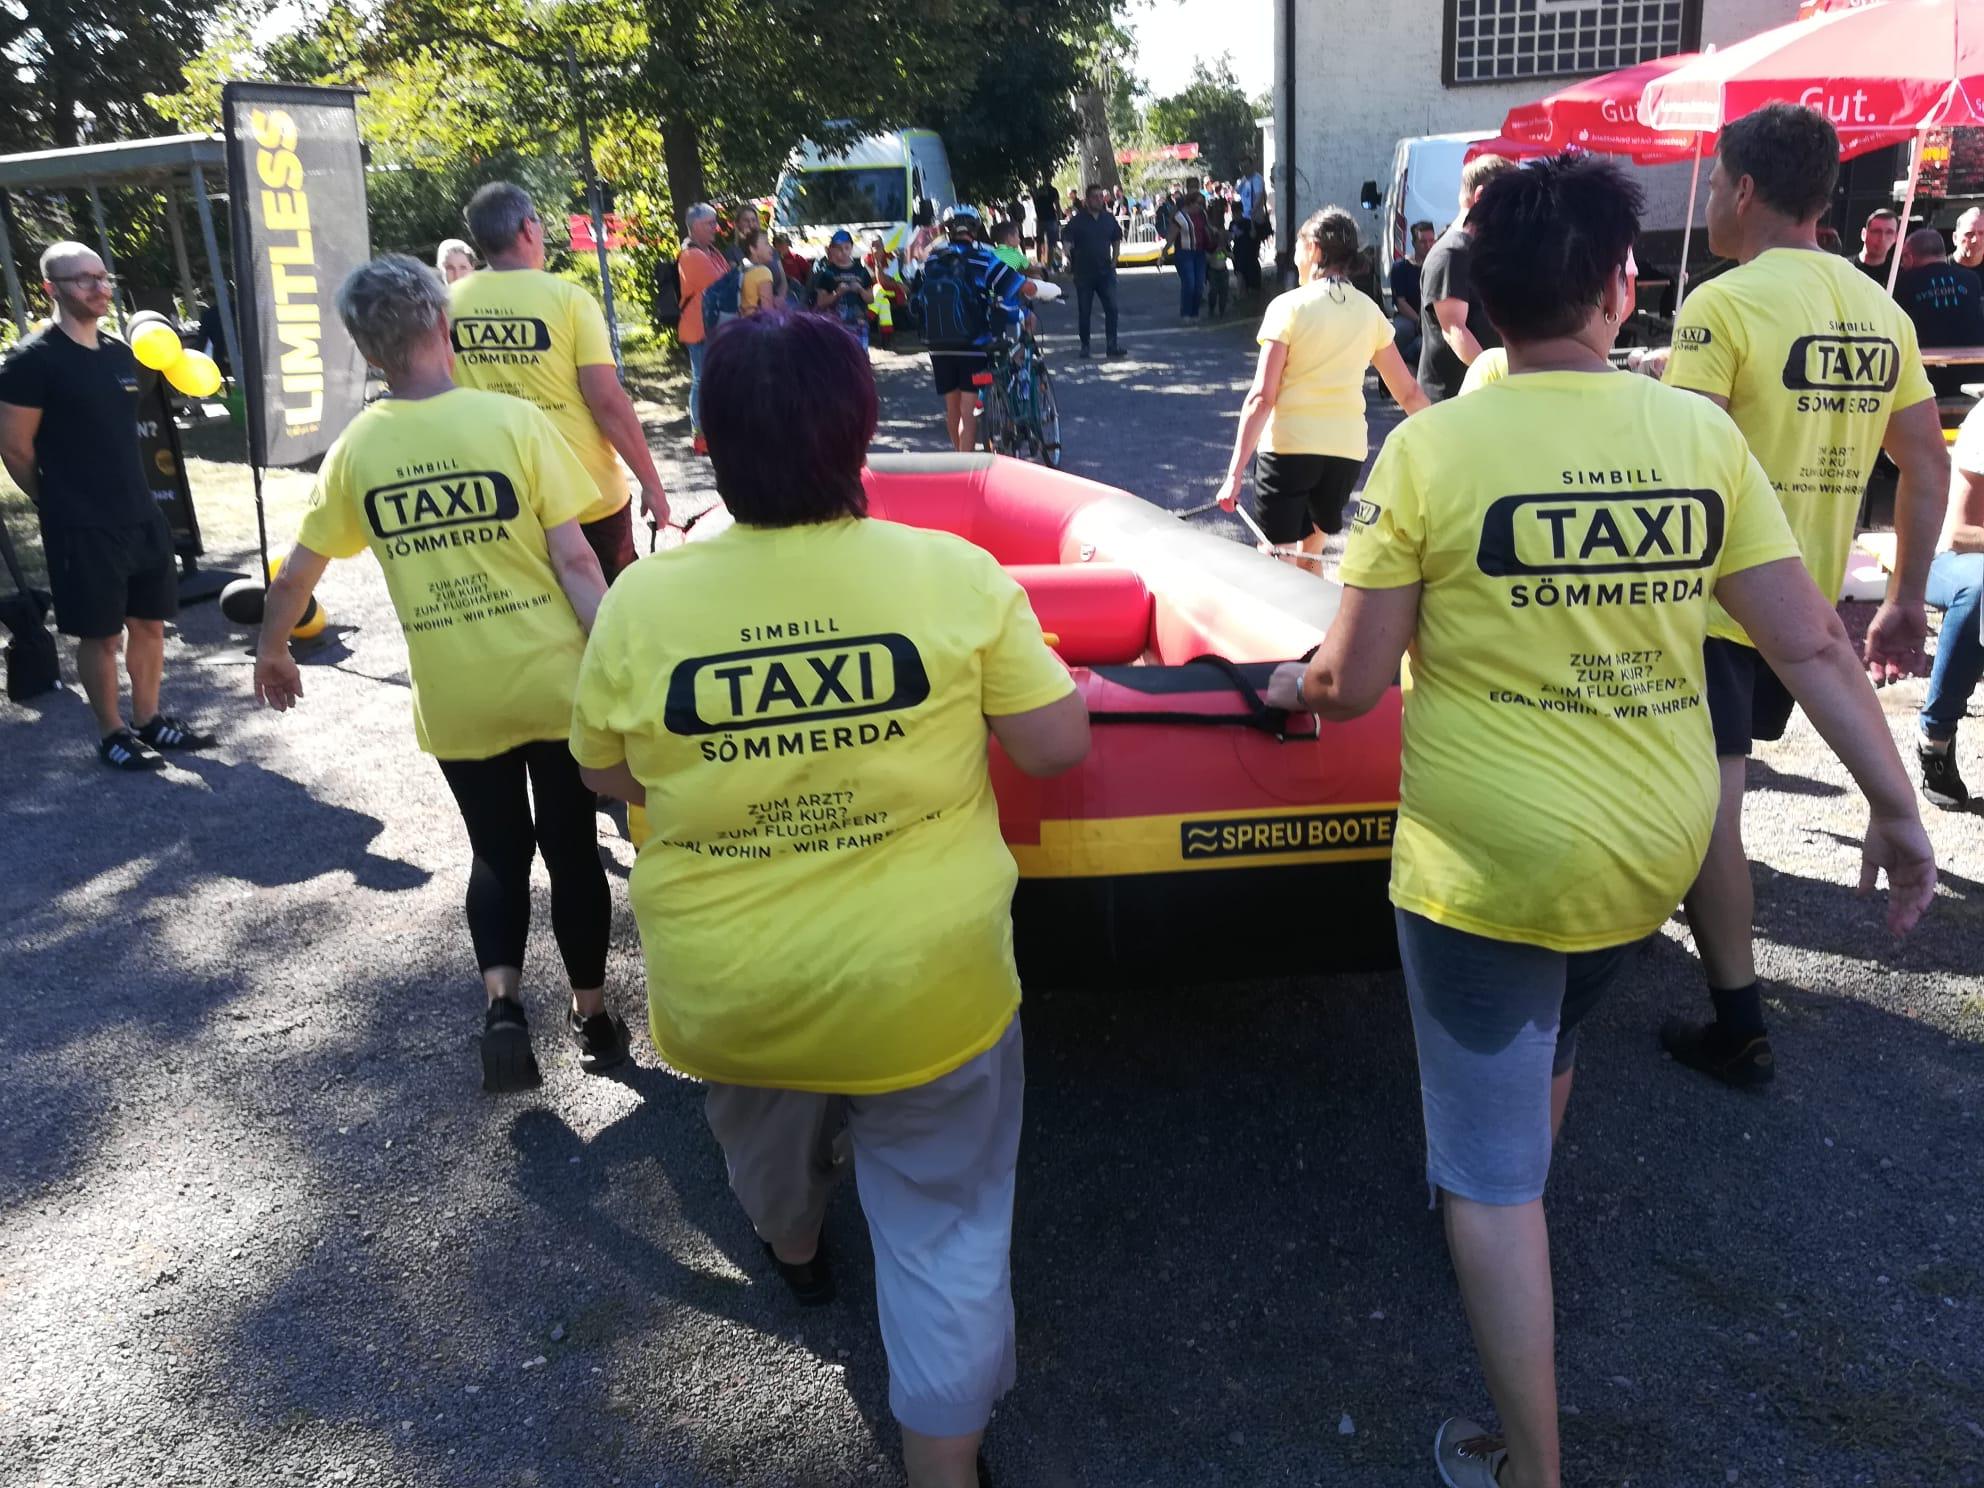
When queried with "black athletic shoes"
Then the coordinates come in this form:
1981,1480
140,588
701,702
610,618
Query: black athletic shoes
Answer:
1940,781
602,1040
507,1061
124,750
1743,1060
812,1283
166,732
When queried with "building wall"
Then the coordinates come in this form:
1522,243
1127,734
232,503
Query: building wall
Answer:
1368,75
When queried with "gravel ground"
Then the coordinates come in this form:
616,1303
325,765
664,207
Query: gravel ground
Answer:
258,1226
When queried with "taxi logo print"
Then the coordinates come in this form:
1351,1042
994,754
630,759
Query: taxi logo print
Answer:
1637,532
778,686
460,498
1843,364
500,333
1693,336
1363,513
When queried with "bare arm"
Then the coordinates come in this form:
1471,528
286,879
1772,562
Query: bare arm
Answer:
1915,443
1358,659
17,431
278,680
1254,412
614,412
578,571
1968,535
1044,741
617,782
1452,315
1398,380
1801,636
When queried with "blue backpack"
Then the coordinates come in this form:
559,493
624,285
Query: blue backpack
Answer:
954,313
723,300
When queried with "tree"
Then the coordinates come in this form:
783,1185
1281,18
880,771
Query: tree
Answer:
1214,113
436,124
79,72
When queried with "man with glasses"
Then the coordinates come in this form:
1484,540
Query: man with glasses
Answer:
521,331
69,438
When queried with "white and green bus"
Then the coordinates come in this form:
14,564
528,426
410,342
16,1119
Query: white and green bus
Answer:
878,184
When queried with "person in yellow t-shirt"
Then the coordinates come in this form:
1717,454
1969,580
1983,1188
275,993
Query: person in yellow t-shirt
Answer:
802,703
756,294
1820,370
521,331
471,502
1491,366
1548,549
1305,409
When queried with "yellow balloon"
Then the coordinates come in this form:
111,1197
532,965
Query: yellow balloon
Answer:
157,346
314,617
195,374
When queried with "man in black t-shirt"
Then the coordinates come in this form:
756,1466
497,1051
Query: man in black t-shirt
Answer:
1946,302
1454,329
1047,225
69,438
1405,278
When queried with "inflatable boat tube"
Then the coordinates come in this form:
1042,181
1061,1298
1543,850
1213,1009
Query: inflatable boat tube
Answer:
1206,836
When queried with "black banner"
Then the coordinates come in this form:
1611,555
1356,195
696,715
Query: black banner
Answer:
296,183
165,464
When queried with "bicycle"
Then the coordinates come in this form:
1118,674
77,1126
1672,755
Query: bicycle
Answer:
1017,412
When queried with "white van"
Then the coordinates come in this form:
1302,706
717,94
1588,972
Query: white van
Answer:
878,184
1424,187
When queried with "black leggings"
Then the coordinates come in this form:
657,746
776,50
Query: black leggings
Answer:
503,834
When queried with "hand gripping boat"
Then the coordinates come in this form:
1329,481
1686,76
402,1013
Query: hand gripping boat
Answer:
1206,837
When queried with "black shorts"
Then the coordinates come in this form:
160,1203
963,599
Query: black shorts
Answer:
103,576
612,541
1299,493
953,371
1746,702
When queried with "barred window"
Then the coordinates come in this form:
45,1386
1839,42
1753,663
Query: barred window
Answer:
1497,41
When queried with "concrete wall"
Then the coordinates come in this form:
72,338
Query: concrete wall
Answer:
1367,75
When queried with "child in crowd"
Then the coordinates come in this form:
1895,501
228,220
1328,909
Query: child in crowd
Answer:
754,294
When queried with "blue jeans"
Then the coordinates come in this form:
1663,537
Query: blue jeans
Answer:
696,386
1956,580
1191,264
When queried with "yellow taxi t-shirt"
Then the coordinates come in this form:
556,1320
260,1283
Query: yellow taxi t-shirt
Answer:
526,333
1812,357
824,896
1568,529
1491,366
1331,332
453,494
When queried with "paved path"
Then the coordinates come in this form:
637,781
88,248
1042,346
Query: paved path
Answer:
258,1227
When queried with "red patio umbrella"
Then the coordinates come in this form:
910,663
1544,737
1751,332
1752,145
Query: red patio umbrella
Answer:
1876,70
1602,114
1880,72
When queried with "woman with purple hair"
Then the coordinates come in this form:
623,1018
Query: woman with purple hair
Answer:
802,703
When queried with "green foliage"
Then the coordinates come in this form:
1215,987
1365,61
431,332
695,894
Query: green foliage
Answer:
1214,112
1017,121
78,73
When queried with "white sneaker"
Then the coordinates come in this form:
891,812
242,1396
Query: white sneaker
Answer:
1466,1455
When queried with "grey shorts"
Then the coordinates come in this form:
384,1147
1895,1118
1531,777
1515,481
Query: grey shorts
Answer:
934,1166
1496,1021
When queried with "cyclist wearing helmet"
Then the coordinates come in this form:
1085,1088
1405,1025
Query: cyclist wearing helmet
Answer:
969,298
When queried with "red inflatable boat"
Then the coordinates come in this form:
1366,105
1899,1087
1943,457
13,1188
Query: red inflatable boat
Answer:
1205,836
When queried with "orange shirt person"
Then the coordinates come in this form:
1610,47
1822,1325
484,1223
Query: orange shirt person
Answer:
699,266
